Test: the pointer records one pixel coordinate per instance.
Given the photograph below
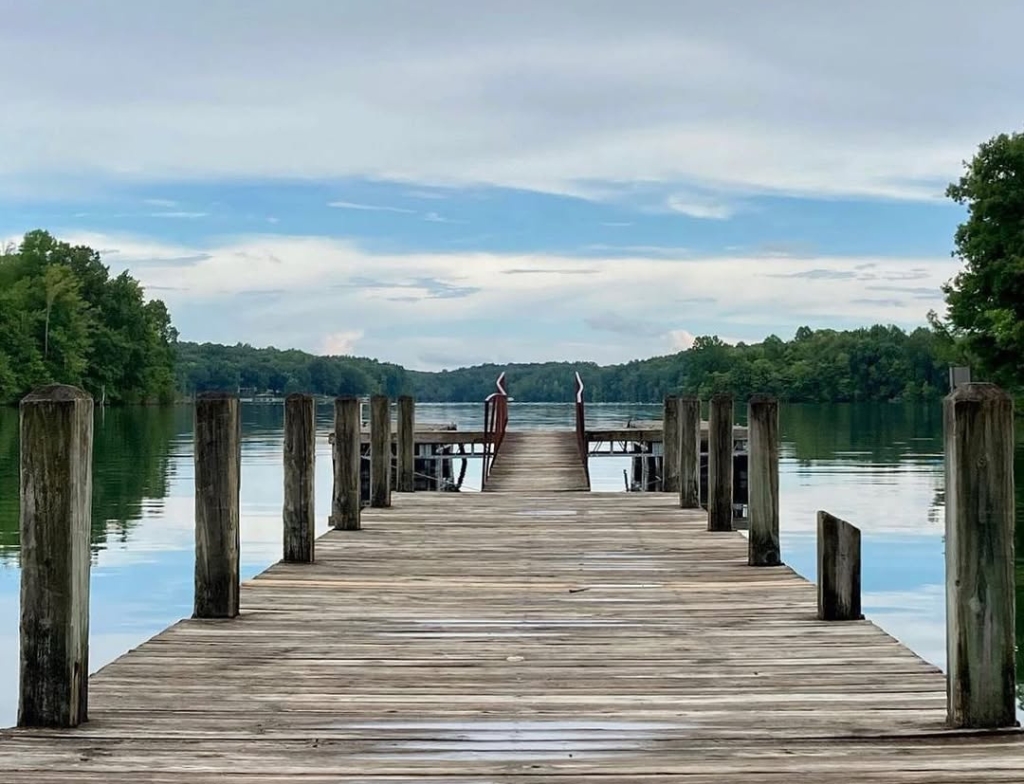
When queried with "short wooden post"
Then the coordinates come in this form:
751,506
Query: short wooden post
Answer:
670,445
763,481
346,505
218,469
689,452
56,512
979,557
299,477
406,444
838,569
380,451
720,469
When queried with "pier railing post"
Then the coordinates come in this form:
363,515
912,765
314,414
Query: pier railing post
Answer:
689,452
720,468
346,504
380,451
299,477
218,466
406,444
56,512
763,473
979,557
670,446
838,569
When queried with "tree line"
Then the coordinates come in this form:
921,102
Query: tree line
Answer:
880,363
64,319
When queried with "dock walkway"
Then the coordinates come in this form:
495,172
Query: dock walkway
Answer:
560,637
538,461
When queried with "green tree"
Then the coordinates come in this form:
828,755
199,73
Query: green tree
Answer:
985,301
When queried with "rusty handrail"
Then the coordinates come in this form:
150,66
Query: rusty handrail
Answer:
495,425
582,443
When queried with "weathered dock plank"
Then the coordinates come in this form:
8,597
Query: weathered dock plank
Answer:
519,638
538,461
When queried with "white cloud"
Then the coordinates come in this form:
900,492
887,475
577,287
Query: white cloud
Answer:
681,339
799,97
341,343
179,214
351,205
408,308
700,206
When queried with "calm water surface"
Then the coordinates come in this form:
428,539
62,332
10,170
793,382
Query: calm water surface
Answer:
879,466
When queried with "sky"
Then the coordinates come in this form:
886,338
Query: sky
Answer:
448,183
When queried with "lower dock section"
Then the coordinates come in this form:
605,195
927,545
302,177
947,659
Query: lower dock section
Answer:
568,637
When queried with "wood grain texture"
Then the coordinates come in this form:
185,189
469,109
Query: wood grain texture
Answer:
497,637
56,424
720,463
671,445
299,453
838,569
406,444
380,451
346,504
218,472
763,481
538,461
980,598
689,452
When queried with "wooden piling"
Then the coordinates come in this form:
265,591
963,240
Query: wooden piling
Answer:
218,469
56,512
720,469
299,511
980,602
346,505
838,569
406,444
689,452
671,445
380,451
763,481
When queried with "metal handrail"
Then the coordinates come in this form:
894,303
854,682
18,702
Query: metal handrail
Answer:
582,444
495,425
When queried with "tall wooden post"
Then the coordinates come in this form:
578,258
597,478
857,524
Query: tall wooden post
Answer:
720,469
689,452
380,451
763,481
299,477
346,506
838,569
218,471
979,557
56,512
406,444
670,445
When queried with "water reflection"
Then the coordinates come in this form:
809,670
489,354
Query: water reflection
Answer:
879,466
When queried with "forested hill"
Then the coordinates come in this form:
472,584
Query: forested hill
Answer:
880,363
64,319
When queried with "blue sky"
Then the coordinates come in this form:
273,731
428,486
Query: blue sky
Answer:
455,182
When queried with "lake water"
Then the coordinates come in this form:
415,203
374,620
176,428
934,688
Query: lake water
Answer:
879,466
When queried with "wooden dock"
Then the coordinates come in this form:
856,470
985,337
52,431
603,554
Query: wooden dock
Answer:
498,637
538,460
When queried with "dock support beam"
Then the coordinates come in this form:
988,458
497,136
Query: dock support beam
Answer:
979,557
218,469
299,477
689,452
671,444
406,444
720,469
763,473
346,505
838,569
56,512
380,451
